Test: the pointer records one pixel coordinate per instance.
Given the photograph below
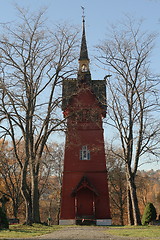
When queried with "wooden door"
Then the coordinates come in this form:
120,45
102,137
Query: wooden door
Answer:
85,202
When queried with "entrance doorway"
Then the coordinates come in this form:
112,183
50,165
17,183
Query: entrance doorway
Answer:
85,207
85,202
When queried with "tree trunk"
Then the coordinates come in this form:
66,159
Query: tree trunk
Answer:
129,208
134,200
15,208
121,217
35,199
26,195
29,219
121,201
28,204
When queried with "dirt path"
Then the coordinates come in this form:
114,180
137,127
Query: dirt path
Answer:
77,232
82,232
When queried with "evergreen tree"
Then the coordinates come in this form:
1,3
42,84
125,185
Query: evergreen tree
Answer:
3,220
149,214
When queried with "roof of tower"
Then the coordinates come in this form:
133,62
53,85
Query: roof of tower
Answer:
83,51
70,89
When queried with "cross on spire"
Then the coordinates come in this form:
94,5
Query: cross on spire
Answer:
84,75
83,16
83,51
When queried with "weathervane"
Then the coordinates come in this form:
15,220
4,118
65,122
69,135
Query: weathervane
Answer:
83,16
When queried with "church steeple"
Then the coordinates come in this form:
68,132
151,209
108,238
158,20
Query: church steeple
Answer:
84,75
83,51
85,196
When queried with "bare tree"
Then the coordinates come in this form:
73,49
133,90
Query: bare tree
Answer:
10,177
51,178
117,185
52,165
33,60
133,100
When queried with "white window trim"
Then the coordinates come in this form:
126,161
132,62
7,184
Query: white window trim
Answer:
84,153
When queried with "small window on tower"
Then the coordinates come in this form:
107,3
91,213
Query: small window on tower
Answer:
84,153
84,68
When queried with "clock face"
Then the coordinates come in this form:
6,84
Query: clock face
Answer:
84,68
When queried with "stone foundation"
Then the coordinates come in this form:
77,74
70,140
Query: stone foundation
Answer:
67,222
103,222
99,222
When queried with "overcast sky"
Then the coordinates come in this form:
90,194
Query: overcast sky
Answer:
99,14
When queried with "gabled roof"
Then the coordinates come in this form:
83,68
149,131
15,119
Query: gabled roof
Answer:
70,89
84,183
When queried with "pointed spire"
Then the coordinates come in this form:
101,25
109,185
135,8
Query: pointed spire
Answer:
84,75
83,51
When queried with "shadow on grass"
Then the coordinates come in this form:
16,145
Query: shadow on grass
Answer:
24,231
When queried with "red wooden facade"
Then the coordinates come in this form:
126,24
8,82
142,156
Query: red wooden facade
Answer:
85,194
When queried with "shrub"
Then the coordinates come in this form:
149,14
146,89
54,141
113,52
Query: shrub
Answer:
149,214
3,220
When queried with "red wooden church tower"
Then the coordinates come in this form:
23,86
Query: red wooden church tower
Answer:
85,195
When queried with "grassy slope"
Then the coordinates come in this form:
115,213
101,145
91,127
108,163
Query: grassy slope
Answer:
22,231
139,231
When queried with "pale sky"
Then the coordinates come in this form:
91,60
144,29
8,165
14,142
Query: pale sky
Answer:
99,14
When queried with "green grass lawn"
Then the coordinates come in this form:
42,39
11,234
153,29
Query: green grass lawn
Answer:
135,231
23,231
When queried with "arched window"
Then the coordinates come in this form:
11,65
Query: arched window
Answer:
84,68
84,153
